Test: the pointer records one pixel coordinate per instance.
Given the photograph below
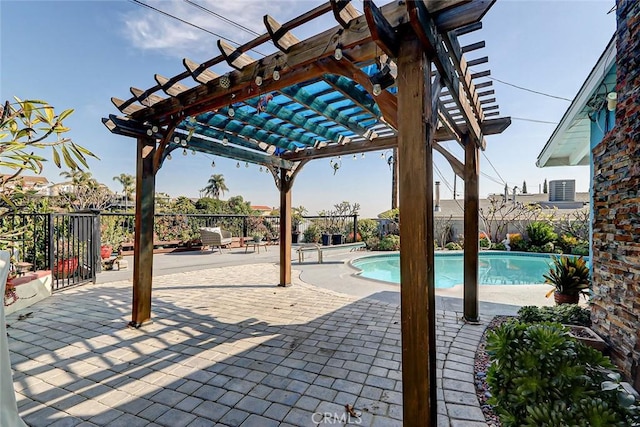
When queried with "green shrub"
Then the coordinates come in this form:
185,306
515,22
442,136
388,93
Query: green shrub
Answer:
312,234
499,247
390,242
373,243
367,228
567,242
453,246
541,376
540,233
581,249
570,314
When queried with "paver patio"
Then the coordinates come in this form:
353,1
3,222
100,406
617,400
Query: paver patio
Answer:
227,348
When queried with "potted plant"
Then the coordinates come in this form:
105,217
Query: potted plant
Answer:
112,236
66,258
569,277
296,220
312,233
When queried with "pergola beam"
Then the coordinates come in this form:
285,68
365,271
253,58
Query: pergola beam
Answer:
428,33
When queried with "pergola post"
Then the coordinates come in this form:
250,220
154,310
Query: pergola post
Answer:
416,251
471,229
285,228
143,240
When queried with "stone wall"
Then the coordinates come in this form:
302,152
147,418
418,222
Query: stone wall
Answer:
616,190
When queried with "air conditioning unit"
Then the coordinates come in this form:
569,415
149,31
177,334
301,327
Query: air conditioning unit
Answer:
562,190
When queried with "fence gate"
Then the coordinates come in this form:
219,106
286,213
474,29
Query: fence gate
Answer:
74,254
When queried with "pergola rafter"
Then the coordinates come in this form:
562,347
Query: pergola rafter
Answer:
329,95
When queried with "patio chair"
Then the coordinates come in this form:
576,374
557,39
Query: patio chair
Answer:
215,237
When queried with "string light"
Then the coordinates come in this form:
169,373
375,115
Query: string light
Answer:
184,151
169,156
276,73
225,141
377,89
338,52
225,81
193,152
176,139
362,155
246,164
238,164
213,163
261,169
355,157
231,111
382,155
183,143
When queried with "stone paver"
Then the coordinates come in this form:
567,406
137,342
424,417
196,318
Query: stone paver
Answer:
227,347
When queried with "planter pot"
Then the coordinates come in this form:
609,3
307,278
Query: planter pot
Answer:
106,251
65,268
295,237
565,299
326,239
588,337
337,239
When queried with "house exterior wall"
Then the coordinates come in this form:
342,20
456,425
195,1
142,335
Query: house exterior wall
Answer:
616,193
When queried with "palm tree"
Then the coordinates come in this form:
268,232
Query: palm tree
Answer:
215,186
128,185
77,176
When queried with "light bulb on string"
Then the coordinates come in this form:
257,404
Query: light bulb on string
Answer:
225,141
246,164
149,132
231,111
338,52
184,151
276,73
193,152
169,156
183,142
258,80
213,163
377,89
225,81
261,168
176,139
154,128
362,155
382,155
238,165
355,157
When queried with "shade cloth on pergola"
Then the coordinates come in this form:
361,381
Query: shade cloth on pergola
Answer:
395,76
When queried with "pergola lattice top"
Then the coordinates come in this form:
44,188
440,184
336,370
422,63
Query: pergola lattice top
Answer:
317,98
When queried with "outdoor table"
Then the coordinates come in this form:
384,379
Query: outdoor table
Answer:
256,245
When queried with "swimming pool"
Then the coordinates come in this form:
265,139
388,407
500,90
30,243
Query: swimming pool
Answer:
495,268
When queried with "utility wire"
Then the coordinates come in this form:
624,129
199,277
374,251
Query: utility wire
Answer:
494,168
533,120
223,18
138,2
529,90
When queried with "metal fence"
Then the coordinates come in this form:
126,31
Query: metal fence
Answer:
68,244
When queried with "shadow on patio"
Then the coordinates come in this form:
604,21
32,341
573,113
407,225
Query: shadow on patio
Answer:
249,354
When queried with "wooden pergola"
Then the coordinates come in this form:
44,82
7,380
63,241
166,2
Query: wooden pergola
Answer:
395,76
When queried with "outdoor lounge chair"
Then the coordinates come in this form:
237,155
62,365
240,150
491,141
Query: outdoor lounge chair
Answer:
214,237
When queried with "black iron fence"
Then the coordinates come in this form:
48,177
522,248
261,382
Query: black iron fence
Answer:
68,244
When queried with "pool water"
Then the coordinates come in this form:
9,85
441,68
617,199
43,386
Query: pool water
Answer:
495,268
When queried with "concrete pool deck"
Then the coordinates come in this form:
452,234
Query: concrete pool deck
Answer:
228,348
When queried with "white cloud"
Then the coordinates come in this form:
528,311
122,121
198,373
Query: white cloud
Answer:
150,30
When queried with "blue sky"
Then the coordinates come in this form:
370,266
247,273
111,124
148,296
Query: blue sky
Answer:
78,54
